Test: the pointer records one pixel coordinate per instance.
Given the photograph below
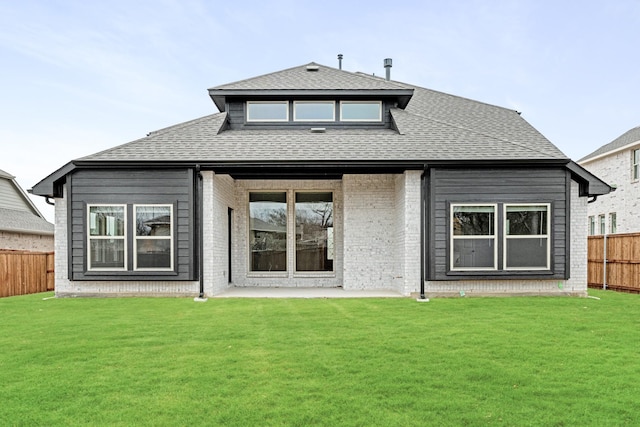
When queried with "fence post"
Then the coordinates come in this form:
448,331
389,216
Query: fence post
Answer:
604,261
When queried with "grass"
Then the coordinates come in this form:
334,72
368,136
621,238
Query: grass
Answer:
326,362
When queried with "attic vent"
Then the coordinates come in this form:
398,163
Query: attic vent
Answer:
313,67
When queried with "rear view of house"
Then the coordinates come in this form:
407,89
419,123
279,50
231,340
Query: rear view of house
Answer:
319,177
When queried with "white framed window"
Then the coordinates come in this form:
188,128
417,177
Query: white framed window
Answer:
602,227
613,223
153,242
314,231
314,111
635,162
267,111
592,225
473,237
268,231
106,237
527,236
360,111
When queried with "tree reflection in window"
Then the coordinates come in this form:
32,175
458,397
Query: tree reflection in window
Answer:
268,231
314,231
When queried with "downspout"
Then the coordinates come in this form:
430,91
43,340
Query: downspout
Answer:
604,260
199,232
423,199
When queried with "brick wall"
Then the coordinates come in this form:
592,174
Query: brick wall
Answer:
26,242
615,169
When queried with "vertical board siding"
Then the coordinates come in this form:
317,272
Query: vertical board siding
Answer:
23,273
130,187
508,185
623,262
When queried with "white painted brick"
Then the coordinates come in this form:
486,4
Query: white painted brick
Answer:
616,169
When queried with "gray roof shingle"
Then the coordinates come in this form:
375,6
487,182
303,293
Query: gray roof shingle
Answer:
433,127
629,137
24,222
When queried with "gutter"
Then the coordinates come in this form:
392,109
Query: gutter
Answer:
199,233
423,218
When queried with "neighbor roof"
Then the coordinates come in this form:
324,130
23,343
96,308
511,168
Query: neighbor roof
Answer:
17,212
630,137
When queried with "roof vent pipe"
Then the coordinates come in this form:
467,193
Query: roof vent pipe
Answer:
340,61
387,67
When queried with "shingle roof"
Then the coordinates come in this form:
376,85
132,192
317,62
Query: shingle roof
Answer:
300,78
24,222
434,127
629,137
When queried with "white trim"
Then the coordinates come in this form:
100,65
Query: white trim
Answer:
379,119
169,237
312,273
249,119
333,111
259,273
546,236
493,237
608,153
90,237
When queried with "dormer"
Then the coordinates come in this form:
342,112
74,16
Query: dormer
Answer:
310,96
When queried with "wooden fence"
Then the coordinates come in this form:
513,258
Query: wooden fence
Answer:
24,273
622,260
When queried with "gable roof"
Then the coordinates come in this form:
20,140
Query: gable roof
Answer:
17,212
430,127
627,139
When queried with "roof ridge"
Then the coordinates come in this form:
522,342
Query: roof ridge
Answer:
358,74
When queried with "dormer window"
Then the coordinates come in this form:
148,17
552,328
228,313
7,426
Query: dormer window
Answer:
360,111
267,111
314,111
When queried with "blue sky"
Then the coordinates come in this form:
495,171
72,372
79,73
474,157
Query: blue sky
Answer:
78,77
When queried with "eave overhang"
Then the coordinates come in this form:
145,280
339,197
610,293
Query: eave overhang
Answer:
221,96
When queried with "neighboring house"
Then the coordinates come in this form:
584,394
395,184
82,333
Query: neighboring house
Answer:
318,177
618,163
22,226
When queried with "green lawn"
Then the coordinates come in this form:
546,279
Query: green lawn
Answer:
330,362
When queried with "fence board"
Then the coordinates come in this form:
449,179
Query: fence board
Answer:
24,273
623,262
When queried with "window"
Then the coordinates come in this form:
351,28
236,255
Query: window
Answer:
601,223
635,160
268,231
592,225
473,237
267,111
153,244
526,234
613,225
361,111
314,231
107,237
314,111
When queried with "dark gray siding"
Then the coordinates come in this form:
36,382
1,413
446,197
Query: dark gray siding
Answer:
508,185
168,186
237,119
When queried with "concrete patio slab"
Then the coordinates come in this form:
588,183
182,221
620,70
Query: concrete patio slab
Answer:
260,292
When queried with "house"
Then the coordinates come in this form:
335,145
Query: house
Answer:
318,177
617,162
22,226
